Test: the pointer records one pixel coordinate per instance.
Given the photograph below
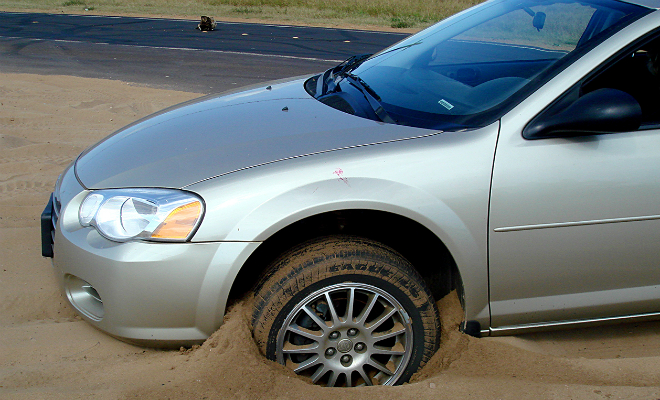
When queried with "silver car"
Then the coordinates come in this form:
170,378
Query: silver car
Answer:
510,153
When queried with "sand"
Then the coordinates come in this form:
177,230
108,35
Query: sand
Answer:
48,352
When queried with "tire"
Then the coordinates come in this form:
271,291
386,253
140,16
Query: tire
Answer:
346,311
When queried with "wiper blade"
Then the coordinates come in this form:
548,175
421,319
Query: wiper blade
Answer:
400,48
350,64
326,83
364,85
371,96
322,83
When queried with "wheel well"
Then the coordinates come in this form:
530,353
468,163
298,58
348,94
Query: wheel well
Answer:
421,247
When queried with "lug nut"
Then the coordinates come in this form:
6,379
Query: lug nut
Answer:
360,347
334,335
345,359
352,332
330,352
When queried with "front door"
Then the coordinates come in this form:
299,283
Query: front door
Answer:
575,223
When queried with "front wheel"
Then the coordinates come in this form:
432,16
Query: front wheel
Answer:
346,311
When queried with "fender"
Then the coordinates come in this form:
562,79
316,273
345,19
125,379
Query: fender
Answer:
408,178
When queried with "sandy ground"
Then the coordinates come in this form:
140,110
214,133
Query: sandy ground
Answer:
47,352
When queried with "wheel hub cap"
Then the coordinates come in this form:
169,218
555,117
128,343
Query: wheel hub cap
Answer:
345,346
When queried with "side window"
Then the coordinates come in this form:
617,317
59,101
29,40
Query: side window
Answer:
638,74
621,96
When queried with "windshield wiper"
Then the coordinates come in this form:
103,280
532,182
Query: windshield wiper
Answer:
350,64
371,96
406,46
327,82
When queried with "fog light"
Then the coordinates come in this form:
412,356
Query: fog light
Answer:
84,297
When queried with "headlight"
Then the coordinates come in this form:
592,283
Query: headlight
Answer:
147,214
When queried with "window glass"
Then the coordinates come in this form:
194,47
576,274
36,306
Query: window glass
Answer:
466,70
550,27
638,74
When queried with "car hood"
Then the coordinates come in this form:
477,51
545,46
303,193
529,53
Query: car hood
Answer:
224,133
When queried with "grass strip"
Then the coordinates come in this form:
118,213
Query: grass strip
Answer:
404,15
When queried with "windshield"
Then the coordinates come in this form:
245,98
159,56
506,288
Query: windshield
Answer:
466,70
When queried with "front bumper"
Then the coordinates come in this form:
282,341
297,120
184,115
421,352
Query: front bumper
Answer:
160,294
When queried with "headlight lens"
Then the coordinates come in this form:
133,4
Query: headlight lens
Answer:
147,214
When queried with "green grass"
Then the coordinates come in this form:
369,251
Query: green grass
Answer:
73,3
386,14
247,10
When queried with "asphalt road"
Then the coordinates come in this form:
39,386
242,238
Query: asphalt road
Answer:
172,53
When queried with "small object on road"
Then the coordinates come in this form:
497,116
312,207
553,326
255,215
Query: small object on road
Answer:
206,24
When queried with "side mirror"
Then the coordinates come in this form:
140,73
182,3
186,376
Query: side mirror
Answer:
600,111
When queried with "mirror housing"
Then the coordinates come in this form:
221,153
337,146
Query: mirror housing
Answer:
539,21
597,112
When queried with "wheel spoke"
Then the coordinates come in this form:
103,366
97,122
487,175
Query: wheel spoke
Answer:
381,319
333,378
310,362
299,330
365,313
319,373
365,377
377,337
349,379
303,349
317,320
379,367
333,312
391,352
351,304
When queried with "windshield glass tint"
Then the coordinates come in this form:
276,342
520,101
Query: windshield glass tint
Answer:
465,70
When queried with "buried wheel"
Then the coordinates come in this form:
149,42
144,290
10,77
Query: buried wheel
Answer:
346,311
